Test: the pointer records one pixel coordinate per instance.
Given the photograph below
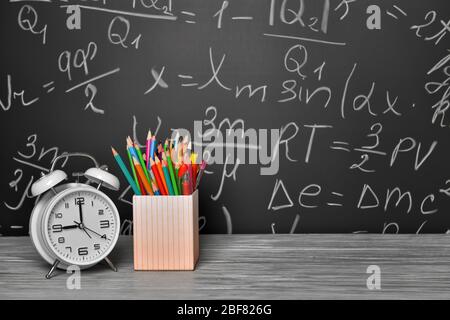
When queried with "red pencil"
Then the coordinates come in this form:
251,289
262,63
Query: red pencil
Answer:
141,186
182,170
161,175
157,177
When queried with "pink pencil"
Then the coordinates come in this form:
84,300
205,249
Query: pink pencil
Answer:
147,151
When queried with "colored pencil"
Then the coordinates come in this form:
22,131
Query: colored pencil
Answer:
155,189
186,184
141,173
177,167
147,149
152,148
157,177
131,147
133,170
161,175
157,150
187,160
125,171
152,176
200,173
182,170
134,154
141,186
167,177
194,168
172,175
167,168
141,160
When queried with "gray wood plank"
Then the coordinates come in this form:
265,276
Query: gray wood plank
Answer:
250,266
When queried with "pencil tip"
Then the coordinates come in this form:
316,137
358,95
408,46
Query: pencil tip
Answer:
129,141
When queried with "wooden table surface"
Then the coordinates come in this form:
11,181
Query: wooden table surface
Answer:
250,267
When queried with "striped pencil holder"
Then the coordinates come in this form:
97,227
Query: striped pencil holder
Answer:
165,232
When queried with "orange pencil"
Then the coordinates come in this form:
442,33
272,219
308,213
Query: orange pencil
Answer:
161,174
141,173
141,186
159,183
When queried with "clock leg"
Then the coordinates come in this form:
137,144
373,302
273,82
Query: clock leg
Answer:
50,273
110,264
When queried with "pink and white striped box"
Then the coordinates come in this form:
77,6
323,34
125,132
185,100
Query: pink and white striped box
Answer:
165,232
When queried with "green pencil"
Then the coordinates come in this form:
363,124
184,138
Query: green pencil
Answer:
141,160
172,177
167,178
177,179
132,168
125,171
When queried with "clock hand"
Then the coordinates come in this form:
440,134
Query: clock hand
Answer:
70,227
96,233
79,225
84,229
81,212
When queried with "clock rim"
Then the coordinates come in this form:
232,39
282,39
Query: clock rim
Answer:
46,216
35,228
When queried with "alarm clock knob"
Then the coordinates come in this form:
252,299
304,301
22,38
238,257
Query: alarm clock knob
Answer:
47,181
103,177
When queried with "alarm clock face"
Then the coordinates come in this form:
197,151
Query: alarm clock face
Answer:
81,226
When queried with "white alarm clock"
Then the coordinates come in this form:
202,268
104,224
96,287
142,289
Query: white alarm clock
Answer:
74,223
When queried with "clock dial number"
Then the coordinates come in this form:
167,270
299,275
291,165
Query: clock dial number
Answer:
79,200
83,251
104,224
57,228
77,241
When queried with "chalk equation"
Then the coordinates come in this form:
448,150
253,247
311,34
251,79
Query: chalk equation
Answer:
314,115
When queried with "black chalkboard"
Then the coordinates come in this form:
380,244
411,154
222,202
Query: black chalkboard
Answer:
358,90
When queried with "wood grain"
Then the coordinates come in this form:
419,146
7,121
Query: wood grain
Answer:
250,266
